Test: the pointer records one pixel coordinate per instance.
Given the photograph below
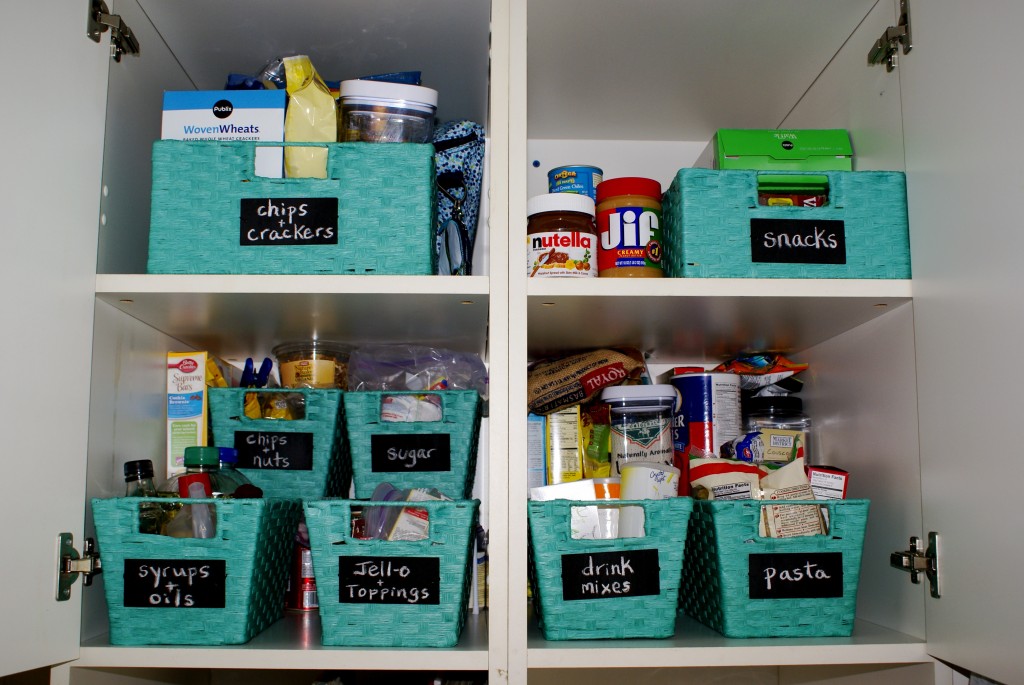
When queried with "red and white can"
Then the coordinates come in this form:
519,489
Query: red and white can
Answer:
710,405
301,595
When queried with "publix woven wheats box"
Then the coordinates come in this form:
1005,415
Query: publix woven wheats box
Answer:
372,213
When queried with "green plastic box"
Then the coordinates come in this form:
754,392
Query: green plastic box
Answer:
778,150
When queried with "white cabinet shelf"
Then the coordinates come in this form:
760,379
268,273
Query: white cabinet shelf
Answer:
702,319
239,315
294,643
694,645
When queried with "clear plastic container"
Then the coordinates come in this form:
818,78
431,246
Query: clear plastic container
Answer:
641,423
383,112
313,364
785,430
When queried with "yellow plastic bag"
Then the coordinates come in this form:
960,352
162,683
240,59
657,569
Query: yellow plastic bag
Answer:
311,117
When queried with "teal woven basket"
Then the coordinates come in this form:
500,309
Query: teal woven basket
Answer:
211,214
302,459
217,591
382,451
620,588
394,593
744,585
715,228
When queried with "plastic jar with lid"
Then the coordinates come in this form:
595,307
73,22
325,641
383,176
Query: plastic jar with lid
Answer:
641,424
786,430
629,228
313,364
384,112
561,238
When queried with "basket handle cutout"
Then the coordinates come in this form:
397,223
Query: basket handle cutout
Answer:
783,519
606,522
252,172
808,191
412,408
275,405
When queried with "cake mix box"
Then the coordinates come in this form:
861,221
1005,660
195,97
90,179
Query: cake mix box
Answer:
254,115
186,406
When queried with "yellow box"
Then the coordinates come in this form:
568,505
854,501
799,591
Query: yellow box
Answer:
564,440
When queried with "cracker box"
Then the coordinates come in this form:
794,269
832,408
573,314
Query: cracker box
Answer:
254,115
777,149
186,406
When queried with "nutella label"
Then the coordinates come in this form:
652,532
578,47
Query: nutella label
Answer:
565,254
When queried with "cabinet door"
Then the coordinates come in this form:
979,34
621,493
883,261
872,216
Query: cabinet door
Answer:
962,104
53,120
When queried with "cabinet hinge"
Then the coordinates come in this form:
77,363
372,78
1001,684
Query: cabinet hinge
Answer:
918,560
70,564
886,48
122,40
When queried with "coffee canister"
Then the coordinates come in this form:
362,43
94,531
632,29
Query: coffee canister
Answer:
710,403
641,423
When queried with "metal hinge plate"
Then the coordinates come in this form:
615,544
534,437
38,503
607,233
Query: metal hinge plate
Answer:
918,560
122,40
886,48
70,564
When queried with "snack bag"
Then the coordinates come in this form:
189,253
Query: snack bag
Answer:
789,520
311,117
563,382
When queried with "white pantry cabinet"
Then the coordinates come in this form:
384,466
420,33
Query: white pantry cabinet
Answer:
911,383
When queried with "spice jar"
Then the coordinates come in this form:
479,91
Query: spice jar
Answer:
561,238
313,364
629,227
785,429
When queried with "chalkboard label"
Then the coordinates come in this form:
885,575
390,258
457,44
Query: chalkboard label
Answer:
405,453
798,241
174,583
607,575
289,221
389,580
274,451
798,575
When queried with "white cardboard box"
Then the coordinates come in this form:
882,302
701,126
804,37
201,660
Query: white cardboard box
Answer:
256,115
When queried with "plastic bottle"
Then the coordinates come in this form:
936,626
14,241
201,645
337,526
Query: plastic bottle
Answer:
194,520
230,476
138,479
201,460
783,425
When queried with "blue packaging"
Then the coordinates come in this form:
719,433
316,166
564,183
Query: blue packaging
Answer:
577,178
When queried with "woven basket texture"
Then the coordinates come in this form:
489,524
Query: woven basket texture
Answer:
706,219
460,418
450,540
255,538
651,616
332,470
386,207
716,591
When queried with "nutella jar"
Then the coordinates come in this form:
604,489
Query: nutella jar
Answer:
629,226
561,238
